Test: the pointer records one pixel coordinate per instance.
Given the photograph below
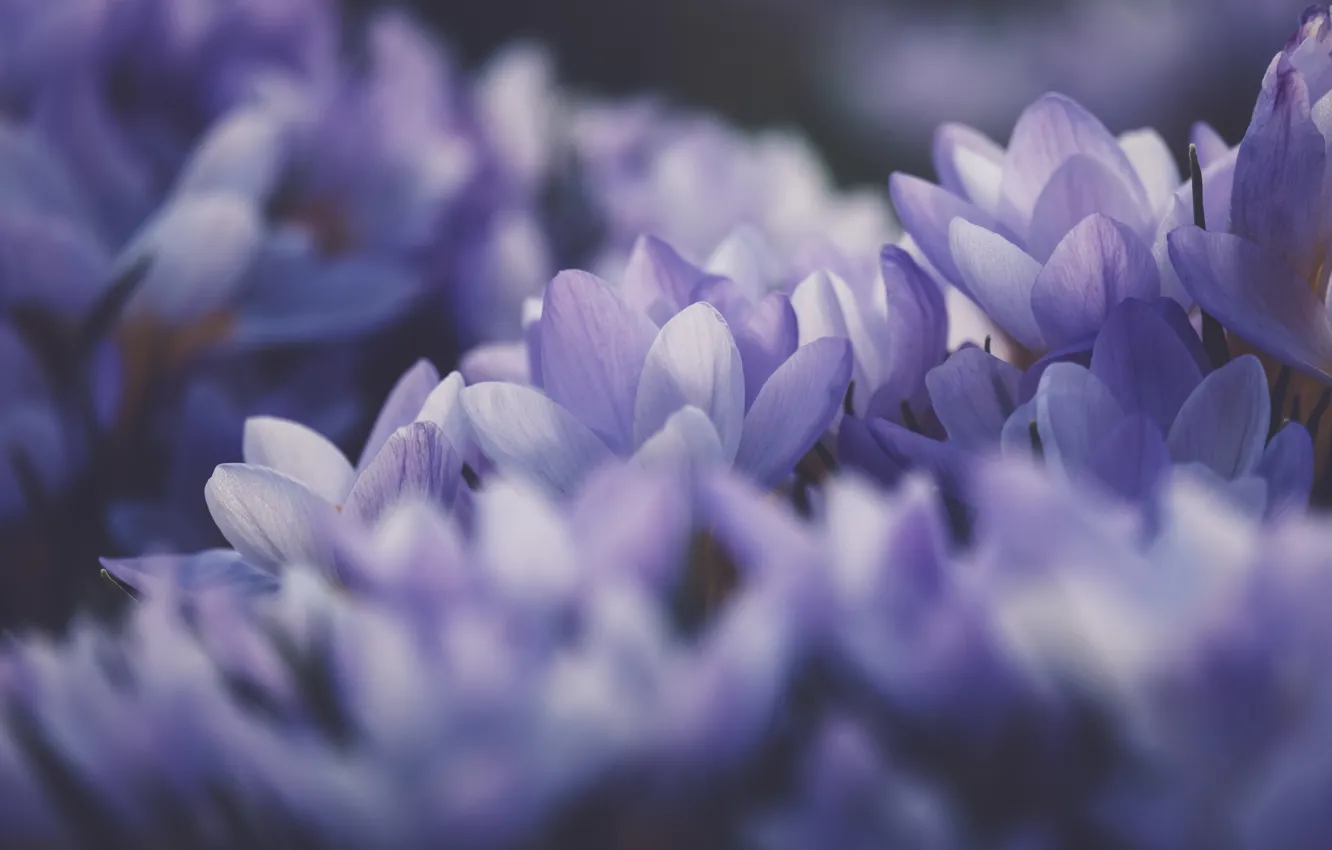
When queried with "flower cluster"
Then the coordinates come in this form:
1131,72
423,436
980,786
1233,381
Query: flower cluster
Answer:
765,534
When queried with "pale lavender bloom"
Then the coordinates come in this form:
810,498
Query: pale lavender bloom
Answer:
282,504
1050,233
614,384
896,323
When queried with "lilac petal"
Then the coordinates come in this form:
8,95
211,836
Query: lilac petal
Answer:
794,409
1170,311
1047,134
819,309
210,569
745,257
1075,414
728,297
927,213
909,450
200,246
914,335
1081,187
271,519
444,408
1154,164
417,463
1211,147
1223,423
857,449
973,395
307,299
300,452
1080,354
1099,263
1144,363
1256,295
656,272
242,153
969,164
525,433
766,340
999,277
593,347
1287,466
1132,458
1279,175
499,361
688,438
403,405
694,361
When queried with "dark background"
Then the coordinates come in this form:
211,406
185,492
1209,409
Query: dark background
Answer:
867,80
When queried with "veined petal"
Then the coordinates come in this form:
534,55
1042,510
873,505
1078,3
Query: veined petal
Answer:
657,272
819,311
1048,133
999,277
1142,361
927,213
1223,423
766,340
402,406
694,361
593,347
1080,188
911,338
300,452
973,395
416,463
794,409
1098,264
271,519
526,433
1279,175
1256,295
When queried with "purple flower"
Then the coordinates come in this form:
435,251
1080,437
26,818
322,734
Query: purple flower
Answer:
1049,234
1265,280
281,505
896,324
611,383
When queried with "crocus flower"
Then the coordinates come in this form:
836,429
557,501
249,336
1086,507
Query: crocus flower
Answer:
1050,233
613,384
1265,280
279,506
